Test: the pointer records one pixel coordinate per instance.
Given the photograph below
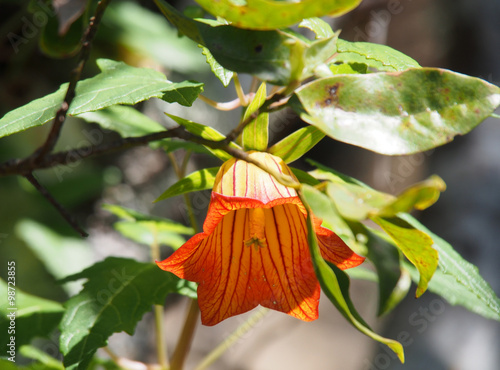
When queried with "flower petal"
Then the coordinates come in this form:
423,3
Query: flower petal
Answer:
234,277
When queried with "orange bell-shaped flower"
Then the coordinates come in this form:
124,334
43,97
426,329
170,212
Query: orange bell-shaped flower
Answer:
253,249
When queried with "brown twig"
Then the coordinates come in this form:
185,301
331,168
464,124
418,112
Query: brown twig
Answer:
75,75
64,213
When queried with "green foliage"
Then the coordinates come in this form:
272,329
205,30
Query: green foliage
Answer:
34,316
255,134
148,230
297,143
118,83
262,14
380,111
199,180
223,74
115,297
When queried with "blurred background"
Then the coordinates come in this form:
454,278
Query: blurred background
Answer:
460,35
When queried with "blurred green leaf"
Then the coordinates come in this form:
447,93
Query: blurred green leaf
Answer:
255,134
379,57
200,180
57,45
397,113
223,74
146,229
297,143
205,132
48,362
269,14
415,245
115,285
34,316
335,284
304,177
61,256
118,83
348,68
145,33
457,280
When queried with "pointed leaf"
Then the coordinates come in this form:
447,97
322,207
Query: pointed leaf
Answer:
415,245
118,83
200,180
223,74
255,134
34,353
205,132
117,294
269,14
379,57
397,113
335,284
297,144
459,281
304,177
34,316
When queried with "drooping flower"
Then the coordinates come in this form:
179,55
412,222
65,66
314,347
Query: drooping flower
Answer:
253,249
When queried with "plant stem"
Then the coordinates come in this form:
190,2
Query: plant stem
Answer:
239,90
161,345
232,339
186,337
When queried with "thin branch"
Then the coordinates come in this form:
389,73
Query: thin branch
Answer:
64,213
224,106
76,73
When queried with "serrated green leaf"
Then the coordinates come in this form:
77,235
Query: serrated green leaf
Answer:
255,134
397,113
268,14
206,132
318,26
34,316
200,180
459,281
118,83
223,74
115,297
297,144
335,284
379,57
415,245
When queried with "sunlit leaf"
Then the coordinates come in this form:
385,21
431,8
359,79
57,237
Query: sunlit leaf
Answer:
223,74
45,361
33,316
397,113
335,284
415,245
318,26
255,134
377,56
118,83
205,132
114,285
200,180
459,281
269,14
297,144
